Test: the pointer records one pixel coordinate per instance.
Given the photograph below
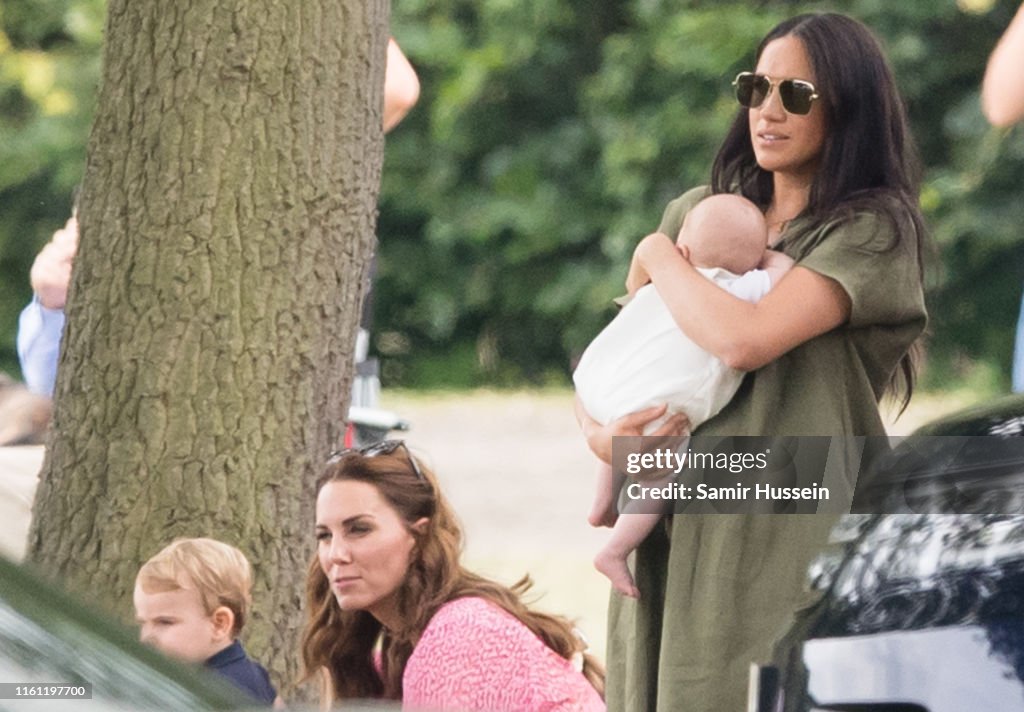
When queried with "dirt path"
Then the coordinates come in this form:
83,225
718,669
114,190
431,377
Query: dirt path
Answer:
517,472
19,467
514,467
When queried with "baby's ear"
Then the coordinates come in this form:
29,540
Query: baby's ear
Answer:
223,621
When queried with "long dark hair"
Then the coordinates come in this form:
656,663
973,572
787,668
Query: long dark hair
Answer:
343,642
869,161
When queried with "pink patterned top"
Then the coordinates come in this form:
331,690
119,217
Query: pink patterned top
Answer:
475,656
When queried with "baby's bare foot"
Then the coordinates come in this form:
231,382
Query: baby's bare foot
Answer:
615,568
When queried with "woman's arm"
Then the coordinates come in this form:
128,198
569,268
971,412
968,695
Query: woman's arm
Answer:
746,336
1002,90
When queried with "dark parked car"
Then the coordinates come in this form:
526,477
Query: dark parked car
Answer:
920,612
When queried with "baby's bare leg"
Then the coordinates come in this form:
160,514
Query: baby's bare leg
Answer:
629,531
604,511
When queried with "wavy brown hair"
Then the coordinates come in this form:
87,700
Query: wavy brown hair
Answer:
343,642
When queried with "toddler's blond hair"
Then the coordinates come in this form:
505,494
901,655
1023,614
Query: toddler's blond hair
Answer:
218,572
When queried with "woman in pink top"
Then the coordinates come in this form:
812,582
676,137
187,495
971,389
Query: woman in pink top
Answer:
387,573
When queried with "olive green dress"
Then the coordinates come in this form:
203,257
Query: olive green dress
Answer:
718,590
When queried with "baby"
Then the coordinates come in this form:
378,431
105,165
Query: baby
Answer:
191,601
643,359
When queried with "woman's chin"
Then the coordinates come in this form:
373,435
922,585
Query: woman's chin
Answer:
348,602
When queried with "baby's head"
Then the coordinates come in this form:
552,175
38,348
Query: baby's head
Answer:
192,598
727,231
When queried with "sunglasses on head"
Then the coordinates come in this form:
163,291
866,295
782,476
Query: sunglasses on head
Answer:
384,447
752,90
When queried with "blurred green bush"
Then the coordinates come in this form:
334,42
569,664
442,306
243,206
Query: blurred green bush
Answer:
549,136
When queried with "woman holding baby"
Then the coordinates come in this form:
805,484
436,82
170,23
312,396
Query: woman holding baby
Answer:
821,145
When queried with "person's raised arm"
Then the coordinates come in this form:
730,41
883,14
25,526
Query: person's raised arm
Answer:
401,86
746,336
50,275
1002,90
42,321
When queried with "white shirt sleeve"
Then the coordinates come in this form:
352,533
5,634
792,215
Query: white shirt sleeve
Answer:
39,335
750,286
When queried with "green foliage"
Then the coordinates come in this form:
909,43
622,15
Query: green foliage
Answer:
49,68
973,187
540,152
549,136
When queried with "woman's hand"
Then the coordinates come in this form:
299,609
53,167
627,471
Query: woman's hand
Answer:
647,252
599,437
637,276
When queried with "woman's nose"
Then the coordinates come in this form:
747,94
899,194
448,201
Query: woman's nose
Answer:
339,551
771,107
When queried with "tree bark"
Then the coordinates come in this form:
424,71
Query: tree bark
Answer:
227,215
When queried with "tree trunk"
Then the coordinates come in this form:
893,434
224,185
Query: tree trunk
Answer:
227,215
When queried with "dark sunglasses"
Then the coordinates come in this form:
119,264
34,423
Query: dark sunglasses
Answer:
752,90
384,447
